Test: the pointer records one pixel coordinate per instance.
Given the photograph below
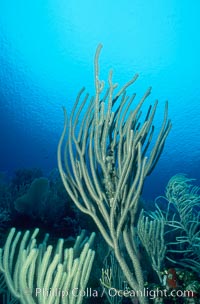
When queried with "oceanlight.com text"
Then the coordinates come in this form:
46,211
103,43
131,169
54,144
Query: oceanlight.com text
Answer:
150,293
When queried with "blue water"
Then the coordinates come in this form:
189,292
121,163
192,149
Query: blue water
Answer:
46,55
